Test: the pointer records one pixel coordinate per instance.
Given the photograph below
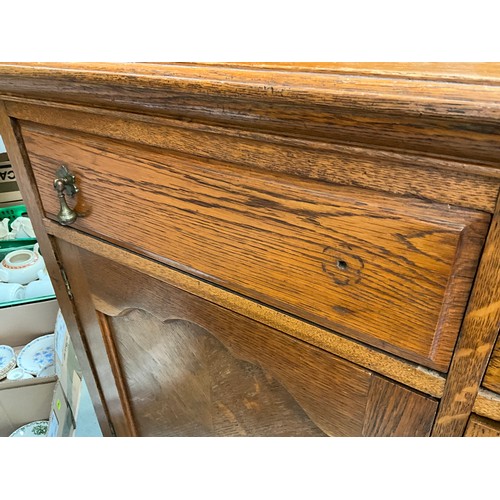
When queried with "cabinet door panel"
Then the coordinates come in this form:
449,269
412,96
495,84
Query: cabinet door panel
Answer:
185,366
183,382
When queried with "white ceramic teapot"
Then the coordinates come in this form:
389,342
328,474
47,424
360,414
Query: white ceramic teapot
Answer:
21,266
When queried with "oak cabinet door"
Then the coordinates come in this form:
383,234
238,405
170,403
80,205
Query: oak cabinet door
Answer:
172,364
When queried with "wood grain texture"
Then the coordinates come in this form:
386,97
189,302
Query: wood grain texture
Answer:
492,376
371,126
424,380
97,342
389,271
442,180
433,116
487,404
393,409
486,73
481,427
114,363
205,386
183,382
477,337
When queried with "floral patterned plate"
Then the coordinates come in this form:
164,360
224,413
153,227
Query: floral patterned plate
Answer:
37,354
47,371
38,428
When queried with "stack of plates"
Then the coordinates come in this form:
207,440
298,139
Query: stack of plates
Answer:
7,360
37,355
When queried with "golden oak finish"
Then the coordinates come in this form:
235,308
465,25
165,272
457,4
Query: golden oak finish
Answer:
304,244
100,347
487,404
194,387
449,72
460,115
343,164
492,376
181,368
391,404
482,427
426,381
112,355
279,236
476,342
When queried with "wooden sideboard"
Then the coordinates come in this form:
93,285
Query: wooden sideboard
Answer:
270,249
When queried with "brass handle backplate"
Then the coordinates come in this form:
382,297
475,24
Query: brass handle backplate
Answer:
64,184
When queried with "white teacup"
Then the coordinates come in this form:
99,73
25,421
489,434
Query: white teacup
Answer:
10,292
38,288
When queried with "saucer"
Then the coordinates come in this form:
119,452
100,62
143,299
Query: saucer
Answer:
38,428
37,354
7,360
18,374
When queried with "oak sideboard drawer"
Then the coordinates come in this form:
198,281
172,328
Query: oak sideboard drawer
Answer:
390,271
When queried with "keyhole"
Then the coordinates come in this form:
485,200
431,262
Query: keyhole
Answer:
342,265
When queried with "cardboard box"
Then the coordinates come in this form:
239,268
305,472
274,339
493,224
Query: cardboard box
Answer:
70,377
72,398
67,367
56,399
9,190
24,401
23,323
87,424
61,420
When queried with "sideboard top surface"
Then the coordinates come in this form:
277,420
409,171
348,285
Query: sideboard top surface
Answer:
396,82
439,109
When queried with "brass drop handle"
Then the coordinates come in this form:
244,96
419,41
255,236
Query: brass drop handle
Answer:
64,184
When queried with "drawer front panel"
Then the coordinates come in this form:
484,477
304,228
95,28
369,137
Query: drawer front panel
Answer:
392,272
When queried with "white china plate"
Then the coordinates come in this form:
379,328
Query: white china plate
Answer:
7,360
37,354
38,428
